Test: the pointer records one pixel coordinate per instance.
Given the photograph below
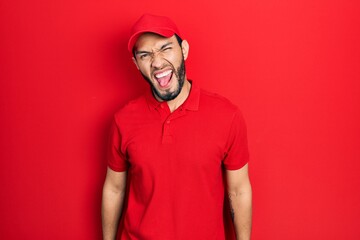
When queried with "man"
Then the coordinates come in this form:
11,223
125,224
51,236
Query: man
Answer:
174,151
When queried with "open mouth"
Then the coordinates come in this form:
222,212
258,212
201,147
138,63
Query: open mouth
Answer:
164,78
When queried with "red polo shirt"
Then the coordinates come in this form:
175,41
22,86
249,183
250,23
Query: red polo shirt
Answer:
175,164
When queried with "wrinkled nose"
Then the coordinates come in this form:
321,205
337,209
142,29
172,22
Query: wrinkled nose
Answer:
157,61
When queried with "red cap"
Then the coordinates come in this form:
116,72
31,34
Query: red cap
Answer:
163,26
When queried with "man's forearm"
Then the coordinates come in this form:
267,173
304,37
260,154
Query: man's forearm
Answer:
241,213
112,204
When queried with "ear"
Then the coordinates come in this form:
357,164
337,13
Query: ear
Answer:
185,49
135,62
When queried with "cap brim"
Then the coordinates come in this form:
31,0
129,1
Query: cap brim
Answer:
162,32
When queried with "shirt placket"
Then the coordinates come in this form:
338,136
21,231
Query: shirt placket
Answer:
167,122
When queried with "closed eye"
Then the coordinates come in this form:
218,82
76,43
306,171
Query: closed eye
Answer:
167,48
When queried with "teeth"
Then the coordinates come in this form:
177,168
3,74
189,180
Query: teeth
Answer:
163,74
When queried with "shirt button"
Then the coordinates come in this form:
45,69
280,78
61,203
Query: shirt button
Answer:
168,121
162,106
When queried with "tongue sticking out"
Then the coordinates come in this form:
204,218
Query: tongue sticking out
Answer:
164,81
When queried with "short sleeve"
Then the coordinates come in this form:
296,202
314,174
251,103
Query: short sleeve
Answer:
236,150
116,158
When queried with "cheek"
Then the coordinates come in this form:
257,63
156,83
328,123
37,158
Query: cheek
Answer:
175,60
144,70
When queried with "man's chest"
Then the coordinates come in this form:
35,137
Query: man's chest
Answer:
187,141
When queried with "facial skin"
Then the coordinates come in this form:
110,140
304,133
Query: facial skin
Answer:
161,62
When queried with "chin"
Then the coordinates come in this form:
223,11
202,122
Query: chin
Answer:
166,95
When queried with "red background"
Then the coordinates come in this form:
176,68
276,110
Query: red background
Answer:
293,67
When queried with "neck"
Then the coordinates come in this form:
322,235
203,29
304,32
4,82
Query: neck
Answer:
180,99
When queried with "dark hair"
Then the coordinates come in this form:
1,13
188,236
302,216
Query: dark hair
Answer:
179,40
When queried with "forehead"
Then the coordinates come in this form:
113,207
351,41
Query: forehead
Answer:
152,40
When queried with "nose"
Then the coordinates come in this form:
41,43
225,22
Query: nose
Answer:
156,61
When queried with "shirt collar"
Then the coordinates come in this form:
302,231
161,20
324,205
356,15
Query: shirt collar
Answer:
191,103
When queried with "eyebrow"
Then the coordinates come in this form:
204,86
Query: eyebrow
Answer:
161,48
165,45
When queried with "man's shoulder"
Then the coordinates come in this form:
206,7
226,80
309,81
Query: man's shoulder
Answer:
134,106
216,101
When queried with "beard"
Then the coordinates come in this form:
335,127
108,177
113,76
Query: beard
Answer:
170,95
